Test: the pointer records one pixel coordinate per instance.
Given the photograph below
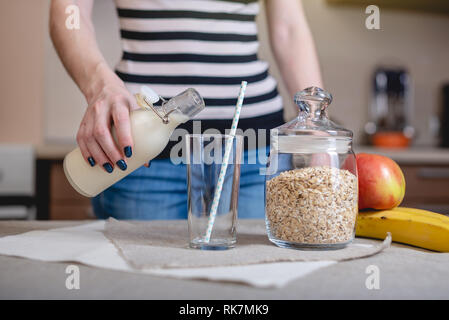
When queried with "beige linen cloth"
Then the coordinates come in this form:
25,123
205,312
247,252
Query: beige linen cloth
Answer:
156,244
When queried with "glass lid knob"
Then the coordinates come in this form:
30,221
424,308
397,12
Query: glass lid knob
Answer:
312,100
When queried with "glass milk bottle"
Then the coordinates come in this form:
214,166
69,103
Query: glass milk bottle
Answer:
151,129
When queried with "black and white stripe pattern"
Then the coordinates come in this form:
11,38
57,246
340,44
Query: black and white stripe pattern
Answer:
210,45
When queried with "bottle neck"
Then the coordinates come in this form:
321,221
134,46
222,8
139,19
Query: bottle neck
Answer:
176,118
188,103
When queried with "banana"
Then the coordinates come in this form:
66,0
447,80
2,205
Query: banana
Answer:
430,214
415,227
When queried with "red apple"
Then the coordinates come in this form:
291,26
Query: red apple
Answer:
381,182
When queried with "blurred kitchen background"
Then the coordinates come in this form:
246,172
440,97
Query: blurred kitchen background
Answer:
41,107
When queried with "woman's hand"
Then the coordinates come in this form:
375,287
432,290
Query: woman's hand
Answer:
109,105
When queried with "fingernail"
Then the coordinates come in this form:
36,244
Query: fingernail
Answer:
108,167
91,161
122,165
128,151
149,163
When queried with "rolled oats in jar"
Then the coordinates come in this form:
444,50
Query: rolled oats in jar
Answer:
311,191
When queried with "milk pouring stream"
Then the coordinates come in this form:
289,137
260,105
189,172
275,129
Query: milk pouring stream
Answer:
151,129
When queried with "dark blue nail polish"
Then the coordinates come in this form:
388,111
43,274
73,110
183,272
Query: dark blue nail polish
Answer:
149,163
122,165
128,151
91,161
108,167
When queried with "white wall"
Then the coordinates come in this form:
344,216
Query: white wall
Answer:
22,30
347,50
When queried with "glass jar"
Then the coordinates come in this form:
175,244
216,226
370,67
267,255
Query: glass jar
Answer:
311,192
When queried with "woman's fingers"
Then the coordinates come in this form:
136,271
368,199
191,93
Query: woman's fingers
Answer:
93,148
99,155
120,116
103,136
80,139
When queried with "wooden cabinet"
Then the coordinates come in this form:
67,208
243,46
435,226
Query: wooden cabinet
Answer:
427,187
65,203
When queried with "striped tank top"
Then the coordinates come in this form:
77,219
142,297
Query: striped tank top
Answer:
210,45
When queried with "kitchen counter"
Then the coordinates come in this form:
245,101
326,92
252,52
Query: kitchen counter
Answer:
414,155
56,151
405,273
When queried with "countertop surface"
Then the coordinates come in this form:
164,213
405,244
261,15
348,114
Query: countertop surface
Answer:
413,155
55,151
405,273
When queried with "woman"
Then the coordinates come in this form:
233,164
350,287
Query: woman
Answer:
170,45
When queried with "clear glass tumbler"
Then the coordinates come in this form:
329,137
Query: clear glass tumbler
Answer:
205,157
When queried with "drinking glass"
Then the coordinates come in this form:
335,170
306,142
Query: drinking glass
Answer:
205,158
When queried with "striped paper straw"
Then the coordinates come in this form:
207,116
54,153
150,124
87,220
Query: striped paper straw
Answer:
224,165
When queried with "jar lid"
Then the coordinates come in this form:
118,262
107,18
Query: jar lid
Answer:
313,118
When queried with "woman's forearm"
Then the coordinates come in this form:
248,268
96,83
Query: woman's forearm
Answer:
292,45
78,49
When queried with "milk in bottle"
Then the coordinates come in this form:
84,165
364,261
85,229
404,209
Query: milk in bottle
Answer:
151,129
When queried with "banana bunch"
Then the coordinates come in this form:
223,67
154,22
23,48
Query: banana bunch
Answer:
415,227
